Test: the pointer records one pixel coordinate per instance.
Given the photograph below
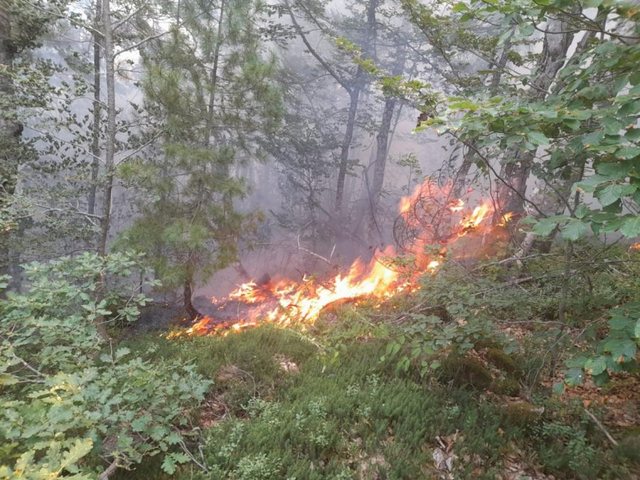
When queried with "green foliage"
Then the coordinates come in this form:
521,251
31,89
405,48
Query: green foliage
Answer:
616,352
566,448
345,414
210,106
581,128
454,321
65,394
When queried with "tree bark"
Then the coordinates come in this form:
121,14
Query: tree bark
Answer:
110,146
515,172
187,293
468,157
95,130
383,138
354,97
213,80
353,88
10,131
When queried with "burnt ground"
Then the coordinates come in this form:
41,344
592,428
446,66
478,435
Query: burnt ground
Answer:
156,317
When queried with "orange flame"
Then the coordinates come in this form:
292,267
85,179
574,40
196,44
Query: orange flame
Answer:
284,301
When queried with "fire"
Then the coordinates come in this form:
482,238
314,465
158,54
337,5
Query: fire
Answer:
433,265
476,218
506,218
285,302
248,293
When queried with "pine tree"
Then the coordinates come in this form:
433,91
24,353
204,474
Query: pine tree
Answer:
209,89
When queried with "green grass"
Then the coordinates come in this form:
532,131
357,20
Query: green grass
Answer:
347,415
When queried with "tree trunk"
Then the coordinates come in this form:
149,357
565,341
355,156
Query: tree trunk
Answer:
382,148
468,157
383,138
95,130
187,293
10,131
354,97
213,80
515,172
110,146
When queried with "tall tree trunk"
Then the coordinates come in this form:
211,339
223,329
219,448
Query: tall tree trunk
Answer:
518,161
110,146
468,156
10,131
553,197
383,138
382,149
213,80
354,97
187,290
95,131
353,87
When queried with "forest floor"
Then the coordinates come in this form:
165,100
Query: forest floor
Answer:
331,403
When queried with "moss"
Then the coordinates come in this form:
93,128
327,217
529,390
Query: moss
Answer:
629,449
522,414
466,372
502,360
485,342
506,386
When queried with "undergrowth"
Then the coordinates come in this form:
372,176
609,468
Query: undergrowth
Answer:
453,372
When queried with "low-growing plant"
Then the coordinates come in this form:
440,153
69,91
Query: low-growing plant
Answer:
67,398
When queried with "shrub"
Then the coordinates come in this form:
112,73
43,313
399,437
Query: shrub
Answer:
66,394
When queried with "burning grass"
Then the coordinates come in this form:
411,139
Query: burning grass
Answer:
430,216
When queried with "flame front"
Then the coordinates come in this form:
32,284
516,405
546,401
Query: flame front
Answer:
285,302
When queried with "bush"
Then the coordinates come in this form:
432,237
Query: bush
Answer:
66,394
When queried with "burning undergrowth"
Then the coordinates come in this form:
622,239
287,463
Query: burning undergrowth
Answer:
431,225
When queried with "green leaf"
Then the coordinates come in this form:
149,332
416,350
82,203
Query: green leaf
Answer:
538,138
580,114
631,227
612,193
572,123
544,227
637,330
596,366
628,153
589,184
614,170
633,134
168,465
548,113
140,423
582,211
7,379
526,30
601,379
624,350
621,322
574,229
121,352
611,126
630,108
80,449
592,139
574,376
460,7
